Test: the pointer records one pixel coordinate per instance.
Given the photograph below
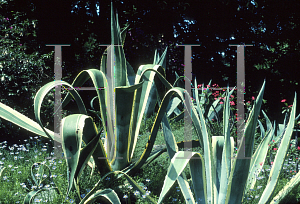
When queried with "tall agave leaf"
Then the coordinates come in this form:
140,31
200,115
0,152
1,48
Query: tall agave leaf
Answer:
226,155
120,72
152,100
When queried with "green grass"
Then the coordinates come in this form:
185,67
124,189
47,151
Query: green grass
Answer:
16,180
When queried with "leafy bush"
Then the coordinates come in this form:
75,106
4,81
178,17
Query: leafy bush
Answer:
22,67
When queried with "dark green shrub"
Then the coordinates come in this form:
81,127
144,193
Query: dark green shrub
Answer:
22,67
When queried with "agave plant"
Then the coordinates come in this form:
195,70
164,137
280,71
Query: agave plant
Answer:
217,178
122,97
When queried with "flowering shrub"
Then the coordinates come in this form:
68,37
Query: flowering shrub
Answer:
219,94
286,108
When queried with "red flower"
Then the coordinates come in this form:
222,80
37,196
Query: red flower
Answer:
298,148
290,106
261,163
253,98
275,149
232,103
273,140
284,100
272,163
248,102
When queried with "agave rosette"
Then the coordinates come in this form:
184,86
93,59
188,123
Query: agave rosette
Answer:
215,176
122,97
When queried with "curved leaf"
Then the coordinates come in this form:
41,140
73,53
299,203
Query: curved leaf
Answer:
75,128
23,121
42,92
105,196
129,179
177,165
226,155
29,197
99,80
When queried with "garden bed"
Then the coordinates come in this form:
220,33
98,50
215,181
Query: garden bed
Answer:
16,180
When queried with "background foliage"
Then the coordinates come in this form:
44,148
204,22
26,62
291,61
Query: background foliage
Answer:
23,69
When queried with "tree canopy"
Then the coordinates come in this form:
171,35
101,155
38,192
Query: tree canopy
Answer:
272,27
